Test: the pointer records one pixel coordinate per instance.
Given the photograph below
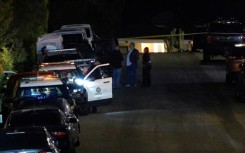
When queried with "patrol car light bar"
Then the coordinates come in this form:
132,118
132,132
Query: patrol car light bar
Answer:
48,77
83,60
91,60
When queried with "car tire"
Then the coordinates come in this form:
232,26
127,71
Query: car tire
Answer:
228,79
94,109
206,55
84,108
239,92
77,143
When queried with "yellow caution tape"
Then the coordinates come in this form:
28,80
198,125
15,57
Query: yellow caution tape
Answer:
159,36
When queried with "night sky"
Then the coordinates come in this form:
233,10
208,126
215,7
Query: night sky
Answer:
183,10
178,13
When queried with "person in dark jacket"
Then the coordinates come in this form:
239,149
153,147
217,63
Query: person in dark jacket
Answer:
146,61
116,63
132,65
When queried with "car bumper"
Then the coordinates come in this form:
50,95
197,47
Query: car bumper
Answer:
100,102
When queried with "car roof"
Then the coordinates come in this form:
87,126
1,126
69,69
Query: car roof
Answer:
57,66
38,83
26,129
35,109
19,76
36,116
59,103
10,72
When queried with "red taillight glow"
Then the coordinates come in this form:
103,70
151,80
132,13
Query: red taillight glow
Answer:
209,39
42,151
58,134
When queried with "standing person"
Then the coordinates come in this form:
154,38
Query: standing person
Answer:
132,65
116,63
146,61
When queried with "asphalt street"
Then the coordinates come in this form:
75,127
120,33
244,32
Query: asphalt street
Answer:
188,109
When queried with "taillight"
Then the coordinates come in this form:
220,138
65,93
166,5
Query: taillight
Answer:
209,39
58,134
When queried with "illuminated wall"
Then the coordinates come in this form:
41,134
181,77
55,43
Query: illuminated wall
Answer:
155,46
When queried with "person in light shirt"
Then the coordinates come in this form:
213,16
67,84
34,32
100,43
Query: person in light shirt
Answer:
132,65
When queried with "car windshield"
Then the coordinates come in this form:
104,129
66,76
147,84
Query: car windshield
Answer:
22,140
35,117
42,92
70,74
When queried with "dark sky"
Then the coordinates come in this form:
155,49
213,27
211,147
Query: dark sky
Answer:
190,10
182,13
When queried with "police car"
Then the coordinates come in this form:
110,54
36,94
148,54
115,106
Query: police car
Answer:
67,71
97,85
34,85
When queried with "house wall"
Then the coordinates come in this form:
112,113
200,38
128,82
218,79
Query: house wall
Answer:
154,45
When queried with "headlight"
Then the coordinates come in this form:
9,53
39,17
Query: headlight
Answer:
79,82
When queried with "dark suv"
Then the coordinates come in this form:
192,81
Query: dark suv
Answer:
221,37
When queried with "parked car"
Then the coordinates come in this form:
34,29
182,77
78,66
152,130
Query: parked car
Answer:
222,35
26,140
97,85
59,103
61,128
234,63
38,85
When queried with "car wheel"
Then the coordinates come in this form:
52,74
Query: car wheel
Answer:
84,108
94,109
228,79
77,143
206,55
239,92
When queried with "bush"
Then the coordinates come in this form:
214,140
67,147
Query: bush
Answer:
7,59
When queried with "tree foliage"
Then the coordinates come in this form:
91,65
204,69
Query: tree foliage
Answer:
30,21
6,58
6,17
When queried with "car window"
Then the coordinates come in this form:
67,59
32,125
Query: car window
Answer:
41,92
70,73
38,118
22,140
105,71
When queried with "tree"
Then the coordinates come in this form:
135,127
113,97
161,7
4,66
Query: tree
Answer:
6,59
6,17
30,21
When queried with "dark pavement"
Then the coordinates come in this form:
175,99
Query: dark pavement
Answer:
188,109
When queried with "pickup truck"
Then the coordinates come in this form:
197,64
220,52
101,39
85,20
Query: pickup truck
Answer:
222,35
